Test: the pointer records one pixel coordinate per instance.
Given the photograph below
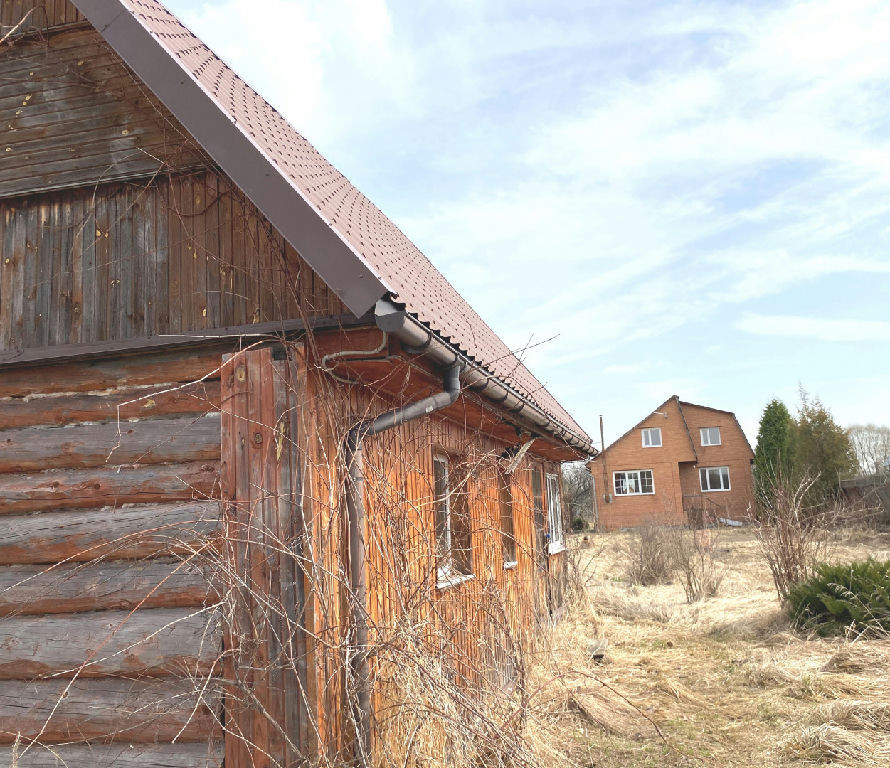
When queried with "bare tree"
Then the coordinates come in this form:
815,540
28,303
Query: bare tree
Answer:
872,445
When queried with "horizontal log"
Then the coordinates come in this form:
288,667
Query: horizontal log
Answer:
61,409
131,532
102,486
109,710
35,590
182,365
208,755
155,642
150,441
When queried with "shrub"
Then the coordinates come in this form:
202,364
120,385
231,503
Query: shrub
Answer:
841,598
579,524
650,556
793,536
693,557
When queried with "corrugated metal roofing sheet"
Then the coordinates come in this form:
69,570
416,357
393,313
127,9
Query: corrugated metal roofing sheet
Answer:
373,237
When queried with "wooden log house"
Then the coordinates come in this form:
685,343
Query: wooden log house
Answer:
217,493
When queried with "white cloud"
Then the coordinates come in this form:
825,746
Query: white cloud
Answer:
609,176
823,329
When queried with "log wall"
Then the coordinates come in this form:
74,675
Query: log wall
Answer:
107,624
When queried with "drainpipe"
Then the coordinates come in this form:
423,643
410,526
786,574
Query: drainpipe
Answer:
419,339
355,506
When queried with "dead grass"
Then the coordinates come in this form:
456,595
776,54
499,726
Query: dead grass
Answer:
722,682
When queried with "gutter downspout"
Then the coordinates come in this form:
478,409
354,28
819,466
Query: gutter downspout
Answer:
355,506
419,339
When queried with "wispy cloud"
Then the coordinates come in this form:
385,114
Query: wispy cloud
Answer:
629,178
816,328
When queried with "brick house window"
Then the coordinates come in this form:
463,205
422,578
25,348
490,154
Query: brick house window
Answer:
634,482
710,435
714,478
651,437
454,561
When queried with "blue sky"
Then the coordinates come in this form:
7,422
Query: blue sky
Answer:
683,198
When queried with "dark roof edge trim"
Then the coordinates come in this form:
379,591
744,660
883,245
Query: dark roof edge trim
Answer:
343,269
414,333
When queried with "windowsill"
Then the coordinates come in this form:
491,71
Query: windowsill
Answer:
653,446
625,495
452,581
555,549
716,490
510,565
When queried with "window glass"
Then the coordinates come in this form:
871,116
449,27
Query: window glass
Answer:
554,508
454,550
714,478
652,437
633,482
710,435
508,539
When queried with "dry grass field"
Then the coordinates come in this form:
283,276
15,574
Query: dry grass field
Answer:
723,682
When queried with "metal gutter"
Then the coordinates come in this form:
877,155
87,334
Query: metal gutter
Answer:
420,339
355,506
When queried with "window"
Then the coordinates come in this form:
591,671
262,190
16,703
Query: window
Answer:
633,482
538,502
710,435
505,502
714,478
554,513
453,538
651,437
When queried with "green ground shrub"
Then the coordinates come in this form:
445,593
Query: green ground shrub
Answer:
842,598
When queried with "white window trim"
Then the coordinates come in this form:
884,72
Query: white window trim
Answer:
452,580
639,482
555,545
509,565
651,429
715,490
701,436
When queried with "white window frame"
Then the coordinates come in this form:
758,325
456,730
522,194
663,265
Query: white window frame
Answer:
647,432
554,515
707,470
639,482
445,568
704,434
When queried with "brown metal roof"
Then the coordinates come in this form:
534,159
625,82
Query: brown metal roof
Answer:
377,258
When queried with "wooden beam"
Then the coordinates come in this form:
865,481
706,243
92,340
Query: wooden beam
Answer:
72,408
150,441
234,337
104,486
132,532
109,710
34,590
208,755
156,642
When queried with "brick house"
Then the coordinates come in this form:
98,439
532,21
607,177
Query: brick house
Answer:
683,460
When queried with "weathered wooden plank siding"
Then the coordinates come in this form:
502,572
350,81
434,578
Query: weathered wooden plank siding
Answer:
73,114
33,15
124,261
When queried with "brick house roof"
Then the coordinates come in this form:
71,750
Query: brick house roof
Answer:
378,259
